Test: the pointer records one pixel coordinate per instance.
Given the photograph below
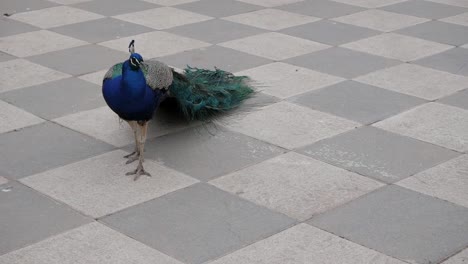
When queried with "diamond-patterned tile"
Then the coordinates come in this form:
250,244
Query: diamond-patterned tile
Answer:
442,32
425,9
101,30
439,124
416,80
459,99
163,18
293,184
461,3
219,8
459,258
3,181
31,74
461,19
271,19
37,42
357,101
69,2
98,186
170,2
401,223
284,80
321,8
15,6
270,3
71,95
303,244
12,27
91,243
115,7
379,154
290,126
380,20
12,118
156,44
95,77
453,61
370,3
26,218
280,46
219,223
55,16
6,57
44,146
342,62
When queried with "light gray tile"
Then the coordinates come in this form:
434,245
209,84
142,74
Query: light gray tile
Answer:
170,2
459,99
401,223
460,258
14,6
461,19
6,57
270,3
370,3
115,7
321,8
68,2
446,33
453,61
461,3
12,27
3,181
425,9
13,118
379,154
219,8
95,77
198,223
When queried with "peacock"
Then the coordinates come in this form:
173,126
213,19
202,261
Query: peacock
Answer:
135,88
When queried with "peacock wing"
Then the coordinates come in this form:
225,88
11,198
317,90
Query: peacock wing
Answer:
157,74
114,71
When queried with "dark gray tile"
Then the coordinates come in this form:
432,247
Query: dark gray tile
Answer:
45,146
342,62
215,56
454,61
425,9
402,224
14,6
69,96
115,7
330,32
208,151
439,31
6,57
27,217
81,60
219,8
198,223
379,154
101,30
459,99
12,27
322,8
357,101
216,31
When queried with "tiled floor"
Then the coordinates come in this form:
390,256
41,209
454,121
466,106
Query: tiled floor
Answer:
356,150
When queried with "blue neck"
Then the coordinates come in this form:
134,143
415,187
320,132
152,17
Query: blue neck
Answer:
133,82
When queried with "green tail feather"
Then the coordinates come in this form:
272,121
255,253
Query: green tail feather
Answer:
201,94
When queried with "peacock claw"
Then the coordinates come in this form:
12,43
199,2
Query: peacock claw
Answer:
138,172
129,155
132,159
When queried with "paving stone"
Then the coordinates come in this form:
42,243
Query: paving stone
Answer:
95,77
91,243
28,217
12,118
219,8
270,3
446,33
12,27
357,101
115,7
305,244
6,57
321,8
401,223
461,3
370,3
3,180
379,154
453,61
425,9
170,2
460,258
459,99
15,6
219,223
439,124
461,19
68,2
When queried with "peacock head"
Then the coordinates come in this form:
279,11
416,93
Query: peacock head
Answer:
135,58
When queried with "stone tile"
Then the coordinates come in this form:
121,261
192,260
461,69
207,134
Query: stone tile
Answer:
271,19
44,146
416,80
342,62
156,44
425,9
215,56
439,124
6,57
216,31
453,61
321,8
219,8
55,16
380,20
101,30
95,77
12,27
13,118
270,3
395,46
459,99
3,180
70,95
379,154
401,223
81,60
461,3
280,46
91,243
460,258
330,32
26,218
304,244
163,18
219,223
370,3
115,7
446,33
13,67
447,181
208,151
37,42
293,184
284,80
105,125
98,186
357,101
461,19
69,2
290,126
170,2
15,6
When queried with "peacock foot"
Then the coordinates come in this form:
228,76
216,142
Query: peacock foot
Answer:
138,172
132,159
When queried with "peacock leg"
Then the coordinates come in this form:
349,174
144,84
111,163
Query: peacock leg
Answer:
136,153
141,146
